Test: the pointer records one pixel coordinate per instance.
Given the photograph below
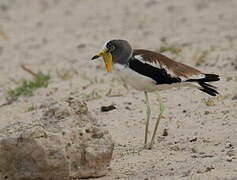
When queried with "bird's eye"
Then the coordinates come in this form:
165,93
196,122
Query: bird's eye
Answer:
112,48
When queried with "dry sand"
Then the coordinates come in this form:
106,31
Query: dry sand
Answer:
59,37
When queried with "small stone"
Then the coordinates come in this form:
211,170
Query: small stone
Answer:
107,108
229,145
193,140
229,159
175,148
80,46
209,169
128,103
210,102
230,153
207,156
193,150
198,171
165,132
234,97
128,108
216,144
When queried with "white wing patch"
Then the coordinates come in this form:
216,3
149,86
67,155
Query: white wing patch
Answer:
197,76
169,71
154,63
194,76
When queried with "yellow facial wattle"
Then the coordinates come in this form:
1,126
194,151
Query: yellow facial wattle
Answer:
108,61
107,56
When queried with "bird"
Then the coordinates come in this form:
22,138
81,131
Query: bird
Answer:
149,71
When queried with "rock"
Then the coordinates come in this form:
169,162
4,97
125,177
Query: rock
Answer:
165,132
194,150
64,142
107,108
230,153
228,159
234,97
193,139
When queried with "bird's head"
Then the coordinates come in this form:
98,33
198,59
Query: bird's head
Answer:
115,51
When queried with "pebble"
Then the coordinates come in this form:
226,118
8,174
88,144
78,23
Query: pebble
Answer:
228,159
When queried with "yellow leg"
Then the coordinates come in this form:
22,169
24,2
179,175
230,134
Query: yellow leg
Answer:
162,108
148,113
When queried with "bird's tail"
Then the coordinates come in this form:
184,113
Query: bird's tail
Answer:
204,86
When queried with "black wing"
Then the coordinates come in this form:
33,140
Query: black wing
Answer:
159,75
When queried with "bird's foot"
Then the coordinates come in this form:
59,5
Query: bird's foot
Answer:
150,146
147,146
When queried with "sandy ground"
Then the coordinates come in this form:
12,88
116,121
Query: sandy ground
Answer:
59,37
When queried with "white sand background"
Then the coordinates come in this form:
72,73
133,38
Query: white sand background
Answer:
59,37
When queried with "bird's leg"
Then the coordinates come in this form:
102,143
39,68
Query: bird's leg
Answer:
162,108
148,113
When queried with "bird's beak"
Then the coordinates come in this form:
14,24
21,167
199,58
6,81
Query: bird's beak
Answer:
107,56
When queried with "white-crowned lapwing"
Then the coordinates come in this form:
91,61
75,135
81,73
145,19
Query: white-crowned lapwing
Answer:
149,71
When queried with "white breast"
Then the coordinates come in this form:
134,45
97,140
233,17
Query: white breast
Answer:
136,80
